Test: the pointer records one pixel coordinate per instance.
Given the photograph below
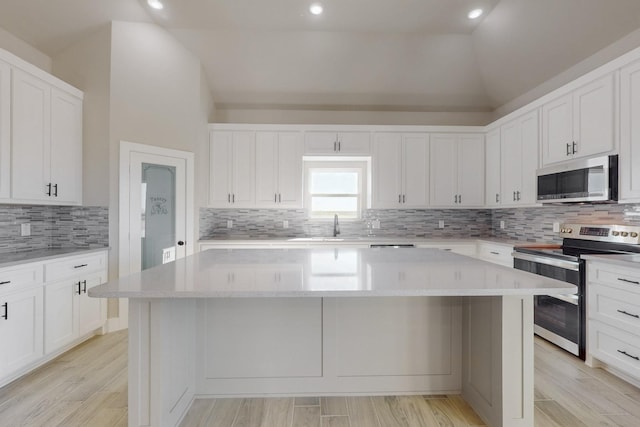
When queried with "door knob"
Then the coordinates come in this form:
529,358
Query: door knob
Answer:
180,243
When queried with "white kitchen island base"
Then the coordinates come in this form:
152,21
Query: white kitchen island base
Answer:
479,346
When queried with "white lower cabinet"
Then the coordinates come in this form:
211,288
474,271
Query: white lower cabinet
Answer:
69,312
613,318
21,329
45,308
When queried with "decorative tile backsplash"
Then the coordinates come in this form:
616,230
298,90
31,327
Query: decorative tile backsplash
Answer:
53,227
268,223
523,224
536,224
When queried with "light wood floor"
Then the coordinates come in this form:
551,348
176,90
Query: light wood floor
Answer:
88,387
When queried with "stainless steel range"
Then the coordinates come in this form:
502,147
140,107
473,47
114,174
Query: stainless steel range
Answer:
561,318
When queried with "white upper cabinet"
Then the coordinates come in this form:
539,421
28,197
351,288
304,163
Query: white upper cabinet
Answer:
457,164
492,168
232,169
5,130
349,143
400,170
629,161
279,169
579,124
519,150
46,145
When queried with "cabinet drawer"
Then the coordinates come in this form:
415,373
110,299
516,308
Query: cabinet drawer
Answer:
498,254
614,275
73,266
18,278
614,306
617,348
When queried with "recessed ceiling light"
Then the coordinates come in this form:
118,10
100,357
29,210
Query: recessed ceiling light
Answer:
316,8
156,4
475,13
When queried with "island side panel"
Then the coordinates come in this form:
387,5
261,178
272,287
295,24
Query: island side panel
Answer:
497,377
161,355
351,345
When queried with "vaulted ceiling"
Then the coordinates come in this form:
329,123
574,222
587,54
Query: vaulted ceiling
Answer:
413,55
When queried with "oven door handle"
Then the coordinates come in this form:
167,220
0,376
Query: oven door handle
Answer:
567,265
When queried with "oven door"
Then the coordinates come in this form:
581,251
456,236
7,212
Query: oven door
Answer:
557,318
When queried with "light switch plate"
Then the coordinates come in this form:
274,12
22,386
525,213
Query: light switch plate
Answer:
25,229
441,223
229,223
285,223
502,225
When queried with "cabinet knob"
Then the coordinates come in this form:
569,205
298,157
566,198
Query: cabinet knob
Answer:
180,243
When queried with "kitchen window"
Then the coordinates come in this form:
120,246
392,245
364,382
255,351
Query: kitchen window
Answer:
335,188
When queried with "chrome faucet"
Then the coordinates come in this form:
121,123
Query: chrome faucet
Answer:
336,226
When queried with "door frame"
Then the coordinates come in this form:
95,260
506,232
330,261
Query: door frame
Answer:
126,151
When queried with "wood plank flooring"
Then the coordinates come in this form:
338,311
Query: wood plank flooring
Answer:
87,387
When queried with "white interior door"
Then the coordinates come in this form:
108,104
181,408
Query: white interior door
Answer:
156,210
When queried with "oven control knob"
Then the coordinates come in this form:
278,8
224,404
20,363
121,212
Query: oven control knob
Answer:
568,230
634,234
624,234
615,233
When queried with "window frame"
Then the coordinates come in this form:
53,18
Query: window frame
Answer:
361,167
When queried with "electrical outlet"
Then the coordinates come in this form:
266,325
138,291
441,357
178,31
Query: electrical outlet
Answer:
441,223
375,224
229,223
556,227
25,229
285,223
502,225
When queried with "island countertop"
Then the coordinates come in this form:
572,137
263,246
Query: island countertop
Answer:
328,272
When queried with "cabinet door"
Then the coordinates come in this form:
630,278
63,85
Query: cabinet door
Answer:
31,129
471,170
243,170
321,142
415,165
443,168
492,168
60,313
511,162
91,313
66,147
387,163
557,132
354,143
21,331
266,169
593,113
5,130
630,133
530,140
220,169
290,169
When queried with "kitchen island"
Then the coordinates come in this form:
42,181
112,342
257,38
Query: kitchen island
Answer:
330,321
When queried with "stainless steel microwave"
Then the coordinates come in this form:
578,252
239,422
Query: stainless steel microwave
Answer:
593,180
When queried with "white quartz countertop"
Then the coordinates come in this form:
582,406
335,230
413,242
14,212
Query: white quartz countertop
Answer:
11,259
627,260
336,241
328,272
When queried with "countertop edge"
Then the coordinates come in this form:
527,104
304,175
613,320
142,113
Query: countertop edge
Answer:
53,254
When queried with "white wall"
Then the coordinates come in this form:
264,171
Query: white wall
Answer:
24,50
357,117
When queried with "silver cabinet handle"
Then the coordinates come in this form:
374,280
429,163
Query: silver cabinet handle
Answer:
335,145
629,355
228,197
404,198
497,198
279,198
514,196
275,197
399,198
233,198
518,196
494,253
568,149
455,198
459,198
574,147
